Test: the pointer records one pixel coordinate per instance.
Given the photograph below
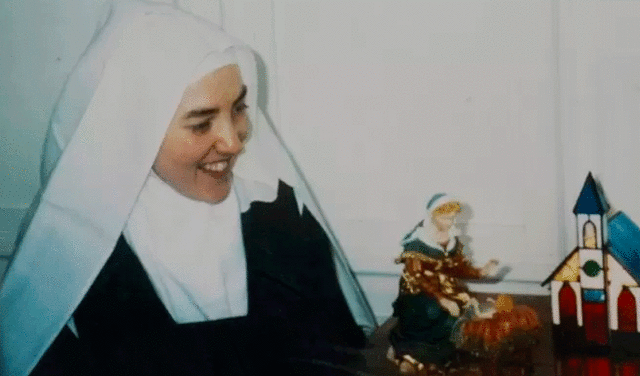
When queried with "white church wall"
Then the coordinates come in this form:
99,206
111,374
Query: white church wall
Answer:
555,301
578,291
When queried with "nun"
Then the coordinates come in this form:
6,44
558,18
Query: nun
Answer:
173,233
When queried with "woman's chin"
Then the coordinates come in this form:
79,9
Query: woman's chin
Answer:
217,198
207,188
216,194
210,197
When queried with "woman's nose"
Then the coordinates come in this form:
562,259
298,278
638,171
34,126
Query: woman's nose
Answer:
227,139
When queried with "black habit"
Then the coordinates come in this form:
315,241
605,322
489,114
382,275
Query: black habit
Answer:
298,320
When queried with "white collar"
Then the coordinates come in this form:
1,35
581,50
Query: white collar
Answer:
426,235
192,252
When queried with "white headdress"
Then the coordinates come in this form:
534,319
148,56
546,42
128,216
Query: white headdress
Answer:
104,135
424,230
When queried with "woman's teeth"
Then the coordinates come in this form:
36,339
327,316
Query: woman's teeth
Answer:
216,166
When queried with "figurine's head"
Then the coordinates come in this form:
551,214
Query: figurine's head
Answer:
443,210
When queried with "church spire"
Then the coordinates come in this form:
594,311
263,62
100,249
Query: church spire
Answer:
591,200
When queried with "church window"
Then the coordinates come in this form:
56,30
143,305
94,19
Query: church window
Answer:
591,268
589,235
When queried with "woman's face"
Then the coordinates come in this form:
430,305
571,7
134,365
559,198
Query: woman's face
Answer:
444,221
207,133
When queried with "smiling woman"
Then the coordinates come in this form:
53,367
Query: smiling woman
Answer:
162,240
205,137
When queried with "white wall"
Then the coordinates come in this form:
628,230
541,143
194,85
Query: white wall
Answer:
507,104
399,100
600,102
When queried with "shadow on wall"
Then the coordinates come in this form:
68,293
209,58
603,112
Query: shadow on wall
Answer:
462,224
263,85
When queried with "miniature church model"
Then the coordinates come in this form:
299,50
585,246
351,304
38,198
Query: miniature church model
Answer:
595,293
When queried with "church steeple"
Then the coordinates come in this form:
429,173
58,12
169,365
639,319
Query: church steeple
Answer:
590,200
590,209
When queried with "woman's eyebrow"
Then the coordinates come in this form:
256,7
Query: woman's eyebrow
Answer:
201,112
243,94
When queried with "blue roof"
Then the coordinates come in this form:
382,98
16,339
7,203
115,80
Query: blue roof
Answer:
624,243
591,200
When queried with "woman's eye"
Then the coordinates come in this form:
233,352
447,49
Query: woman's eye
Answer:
240,108
201,127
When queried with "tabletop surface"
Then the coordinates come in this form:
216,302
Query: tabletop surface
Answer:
540,360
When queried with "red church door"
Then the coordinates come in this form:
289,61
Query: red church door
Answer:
568,306
627,311
596,326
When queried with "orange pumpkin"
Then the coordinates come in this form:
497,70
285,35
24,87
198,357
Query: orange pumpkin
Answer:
489,333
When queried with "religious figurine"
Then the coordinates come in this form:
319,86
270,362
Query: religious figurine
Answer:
432,295
436,314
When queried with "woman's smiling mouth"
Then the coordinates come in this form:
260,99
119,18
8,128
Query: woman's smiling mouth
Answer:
217,169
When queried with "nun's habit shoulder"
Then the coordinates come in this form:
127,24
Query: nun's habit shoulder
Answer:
297,313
